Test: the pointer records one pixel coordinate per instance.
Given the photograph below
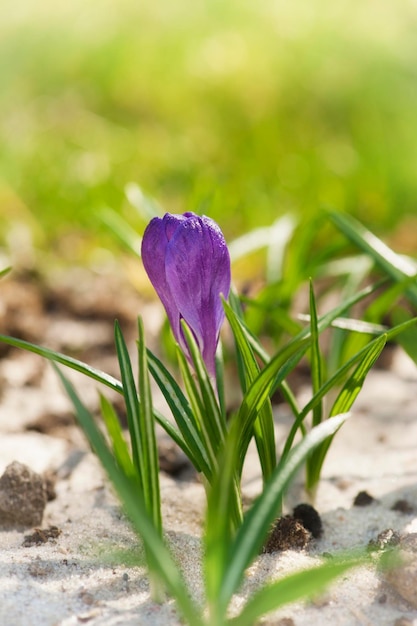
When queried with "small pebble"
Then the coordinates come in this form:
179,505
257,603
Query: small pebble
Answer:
403,506
310,519
403,577
363,499
403,621
287,534
386,539
86,597
23,496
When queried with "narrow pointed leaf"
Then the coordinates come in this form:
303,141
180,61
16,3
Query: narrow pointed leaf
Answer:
280,366
316,360
252,533
120,228
193,446
408,338
298,586
343,403
130,395
353,385
211,405
220,379
316,379
260,353
114,430
205,429
91,372
264,424
396,266
219,529
68,361
160,557
340,375
5,271
149,450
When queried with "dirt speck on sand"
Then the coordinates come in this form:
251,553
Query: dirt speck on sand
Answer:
363,498
287,533
41,535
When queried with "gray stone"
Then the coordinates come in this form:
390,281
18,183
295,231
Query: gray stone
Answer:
403,577
23,496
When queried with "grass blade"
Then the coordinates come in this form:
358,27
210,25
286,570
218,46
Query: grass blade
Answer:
94,374
220,379
272,376
149,450
68,361
275,372
140,422
397,267
130,395
193,446
217,421
209,442
213,424
301,585
219,529
316,379
264,424
120,228
408,338
339,376
251,535
114,430
5,271
353,385
259,351
316,359
160,557
343,403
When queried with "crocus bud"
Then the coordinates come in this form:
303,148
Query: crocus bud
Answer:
188,263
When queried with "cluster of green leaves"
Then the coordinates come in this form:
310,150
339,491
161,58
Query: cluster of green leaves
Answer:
217,446
231,542
354,344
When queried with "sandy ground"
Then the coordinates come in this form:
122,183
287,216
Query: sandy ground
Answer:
90,572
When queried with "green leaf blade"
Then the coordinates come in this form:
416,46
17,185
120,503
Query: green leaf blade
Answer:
300,585
316,359
216,422
192,445
397,267
159,557
114,430
132,403
264,424
63,359
279,366
149,450
251,534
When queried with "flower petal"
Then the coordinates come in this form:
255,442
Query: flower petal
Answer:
154,245
197,266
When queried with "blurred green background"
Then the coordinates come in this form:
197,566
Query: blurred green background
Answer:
242,110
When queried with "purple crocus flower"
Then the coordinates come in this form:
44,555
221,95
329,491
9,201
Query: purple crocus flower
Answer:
188,263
